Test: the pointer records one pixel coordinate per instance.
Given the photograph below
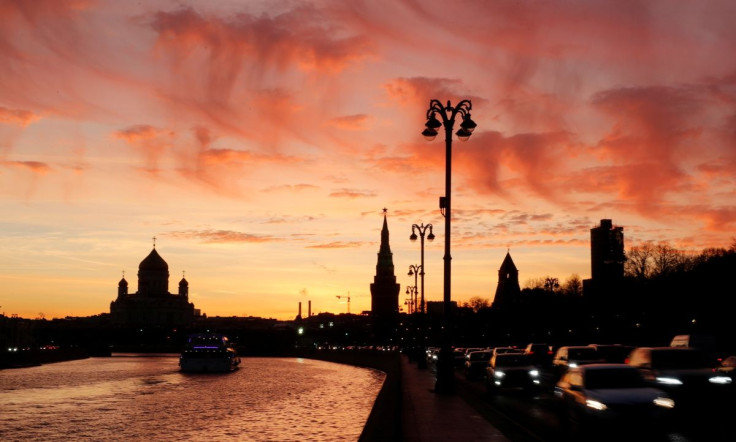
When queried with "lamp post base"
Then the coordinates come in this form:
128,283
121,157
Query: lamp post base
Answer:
422,358
445,382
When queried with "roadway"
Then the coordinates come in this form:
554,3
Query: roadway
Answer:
522,417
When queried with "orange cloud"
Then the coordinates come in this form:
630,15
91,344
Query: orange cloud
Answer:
36,167
352,193
536,158
222,236
17,116
338,245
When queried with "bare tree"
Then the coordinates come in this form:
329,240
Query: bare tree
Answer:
477,303
639,262
534,283
551,284
573,286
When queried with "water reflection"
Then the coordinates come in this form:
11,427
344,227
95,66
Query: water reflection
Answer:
148,398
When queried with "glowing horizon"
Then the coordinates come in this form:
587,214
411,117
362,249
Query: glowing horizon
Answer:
259,141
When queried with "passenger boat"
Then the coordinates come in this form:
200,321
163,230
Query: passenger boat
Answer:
208,353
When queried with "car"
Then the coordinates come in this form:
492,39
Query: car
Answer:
606,397
687,374
476,363
728,365
458,356
613,353
511,371
500,350
571,356
540,354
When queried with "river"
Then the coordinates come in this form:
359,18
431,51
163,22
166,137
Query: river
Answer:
145,397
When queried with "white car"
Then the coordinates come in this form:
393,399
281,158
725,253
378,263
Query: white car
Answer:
606,397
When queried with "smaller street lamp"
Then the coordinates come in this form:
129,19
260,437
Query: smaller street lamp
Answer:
412,292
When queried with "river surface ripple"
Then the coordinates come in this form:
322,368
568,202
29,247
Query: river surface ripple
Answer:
143,397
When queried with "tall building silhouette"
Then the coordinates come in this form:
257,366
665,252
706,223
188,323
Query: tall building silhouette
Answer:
152,304
508,289
384,289
607,259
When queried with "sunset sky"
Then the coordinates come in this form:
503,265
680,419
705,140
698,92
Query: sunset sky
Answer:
259,141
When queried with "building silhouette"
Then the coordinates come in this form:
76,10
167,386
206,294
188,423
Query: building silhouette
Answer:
607,259
508,290
384,289
152,304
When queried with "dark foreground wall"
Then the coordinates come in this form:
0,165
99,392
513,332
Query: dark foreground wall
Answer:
384,422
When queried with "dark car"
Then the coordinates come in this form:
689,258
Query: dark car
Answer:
687,374
540,354
573,356
597,399
511,371
476,363
613,353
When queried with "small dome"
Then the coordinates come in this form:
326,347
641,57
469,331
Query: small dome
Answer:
183,283
153,262
123,283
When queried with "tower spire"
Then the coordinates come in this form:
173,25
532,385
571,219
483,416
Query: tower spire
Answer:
384,289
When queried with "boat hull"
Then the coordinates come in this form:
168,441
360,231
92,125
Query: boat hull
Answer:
208,353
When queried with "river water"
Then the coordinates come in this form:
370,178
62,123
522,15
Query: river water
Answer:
145,397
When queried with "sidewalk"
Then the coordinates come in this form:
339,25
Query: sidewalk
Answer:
427,416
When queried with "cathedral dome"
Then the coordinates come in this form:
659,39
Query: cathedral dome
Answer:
153,262
183,283
123,283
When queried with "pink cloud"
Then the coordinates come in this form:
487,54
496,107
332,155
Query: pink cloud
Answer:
351,122
150,141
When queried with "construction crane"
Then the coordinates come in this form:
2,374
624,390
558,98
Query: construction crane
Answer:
348,298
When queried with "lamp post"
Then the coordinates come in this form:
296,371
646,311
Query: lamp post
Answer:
414,271
412,292
422,230
445,376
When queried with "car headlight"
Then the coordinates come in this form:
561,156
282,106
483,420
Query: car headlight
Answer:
573,365
596,405
534,373
664,402
720,380
499,374
669,381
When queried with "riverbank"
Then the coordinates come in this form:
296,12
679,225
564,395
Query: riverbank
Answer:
35,357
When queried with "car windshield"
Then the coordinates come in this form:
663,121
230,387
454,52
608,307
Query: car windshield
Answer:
613,378
679,358
587,353
614,353
480,355
511,360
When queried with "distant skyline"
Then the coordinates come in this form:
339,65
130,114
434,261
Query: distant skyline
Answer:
259,141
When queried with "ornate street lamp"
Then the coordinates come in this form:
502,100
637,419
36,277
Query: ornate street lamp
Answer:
422,229
445,376
412,292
